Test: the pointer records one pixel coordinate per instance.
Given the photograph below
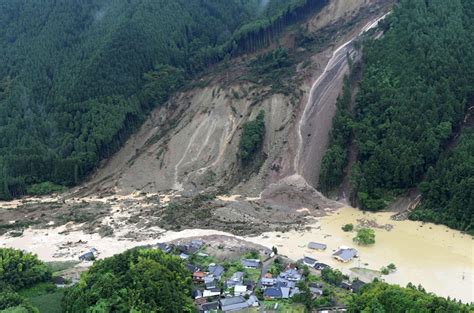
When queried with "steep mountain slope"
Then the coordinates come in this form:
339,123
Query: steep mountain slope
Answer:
72,74
192,143
415,91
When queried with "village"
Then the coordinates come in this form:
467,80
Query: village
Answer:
260,280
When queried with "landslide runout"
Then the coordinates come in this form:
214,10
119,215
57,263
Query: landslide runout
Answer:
200,145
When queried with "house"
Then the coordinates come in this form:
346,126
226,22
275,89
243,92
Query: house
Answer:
291,274
345,254
240,290
249,283
197,243
320,266
294,291
252,301
88,256
357,284
236,278
210,307
268,282
196,294
164,247
215,270
272,293
192,268
198,277
184,256
250,263
285,292
309,261
316,291
211,284
214,292
233,304
317,246
346,285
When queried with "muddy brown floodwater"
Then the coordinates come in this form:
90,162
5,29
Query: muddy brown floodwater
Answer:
438,258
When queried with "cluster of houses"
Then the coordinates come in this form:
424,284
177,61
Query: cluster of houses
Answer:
213,293
283,286
236,292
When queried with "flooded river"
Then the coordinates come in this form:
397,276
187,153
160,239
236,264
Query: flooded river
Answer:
440,259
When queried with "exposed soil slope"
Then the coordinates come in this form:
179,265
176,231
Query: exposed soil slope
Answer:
192,143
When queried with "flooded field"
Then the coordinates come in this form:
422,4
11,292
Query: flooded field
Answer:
440,259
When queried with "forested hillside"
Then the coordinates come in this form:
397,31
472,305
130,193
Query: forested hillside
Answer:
416,87
77,78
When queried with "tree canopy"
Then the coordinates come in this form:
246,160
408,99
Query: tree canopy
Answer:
413,97
381,297
138,280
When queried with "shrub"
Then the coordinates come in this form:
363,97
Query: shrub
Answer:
365,236
348,227
251,140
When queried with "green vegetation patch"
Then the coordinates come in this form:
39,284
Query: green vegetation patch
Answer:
253,133
365,237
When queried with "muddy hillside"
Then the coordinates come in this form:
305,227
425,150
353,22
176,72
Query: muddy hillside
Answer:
193,143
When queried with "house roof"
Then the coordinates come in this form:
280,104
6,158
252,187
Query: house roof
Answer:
272,293
285,292
240,288
237,276
252,299
316,291
197,243
357,284
197,294
250,263
199,274
210,306
86,256
211,293
294,291
232,300
345,254
216,270
268,281
233,304
320,266
317,246
309,260
211,284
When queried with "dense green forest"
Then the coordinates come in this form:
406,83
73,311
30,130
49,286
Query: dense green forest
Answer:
448,191
379,297
77,78
19,270
416,87
138,280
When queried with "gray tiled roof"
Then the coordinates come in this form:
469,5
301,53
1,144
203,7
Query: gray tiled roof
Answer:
317,246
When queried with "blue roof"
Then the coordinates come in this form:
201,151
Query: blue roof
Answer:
272,293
